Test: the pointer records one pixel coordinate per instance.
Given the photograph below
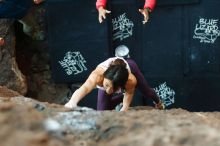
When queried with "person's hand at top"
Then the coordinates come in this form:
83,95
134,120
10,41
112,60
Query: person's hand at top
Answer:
148,7
102,14
2,41
38,1
145,13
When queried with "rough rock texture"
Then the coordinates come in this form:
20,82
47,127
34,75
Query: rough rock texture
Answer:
5,92
10,75
34,60
25,63
27,122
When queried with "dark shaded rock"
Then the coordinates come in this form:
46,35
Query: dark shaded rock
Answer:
10,75
28,70
5,92
34,59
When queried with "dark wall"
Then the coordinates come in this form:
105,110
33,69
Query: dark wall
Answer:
77,41
176,2
183,50
178,50
14,9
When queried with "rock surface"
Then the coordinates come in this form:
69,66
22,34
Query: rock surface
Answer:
27,122
10,75
24,60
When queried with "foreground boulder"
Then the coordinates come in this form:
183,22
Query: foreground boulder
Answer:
27,122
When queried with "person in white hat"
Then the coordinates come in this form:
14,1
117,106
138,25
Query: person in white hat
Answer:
122,51
115,75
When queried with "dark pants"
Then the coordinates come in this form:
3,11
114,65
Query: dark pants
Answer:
109,102
14,9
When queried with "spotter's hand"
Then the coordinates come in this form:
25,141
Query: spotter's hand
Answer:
145,13
102,14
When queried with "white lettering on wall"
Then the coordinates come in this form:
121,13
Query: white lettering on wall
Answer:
207,30
122,27
166,94
73,63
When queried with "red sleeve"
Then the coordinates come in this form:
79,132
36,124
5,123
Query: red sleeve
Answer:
100,3
150,4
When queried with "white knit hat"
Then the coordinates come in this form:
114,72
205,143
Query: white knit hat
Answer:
122,51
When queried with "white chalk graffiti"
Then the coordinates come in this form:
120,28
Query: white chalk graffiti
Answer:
207,30
166,94
122,27
73,63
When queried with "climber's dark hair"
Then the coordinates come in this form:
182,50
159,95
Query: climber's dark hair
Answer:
117,73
